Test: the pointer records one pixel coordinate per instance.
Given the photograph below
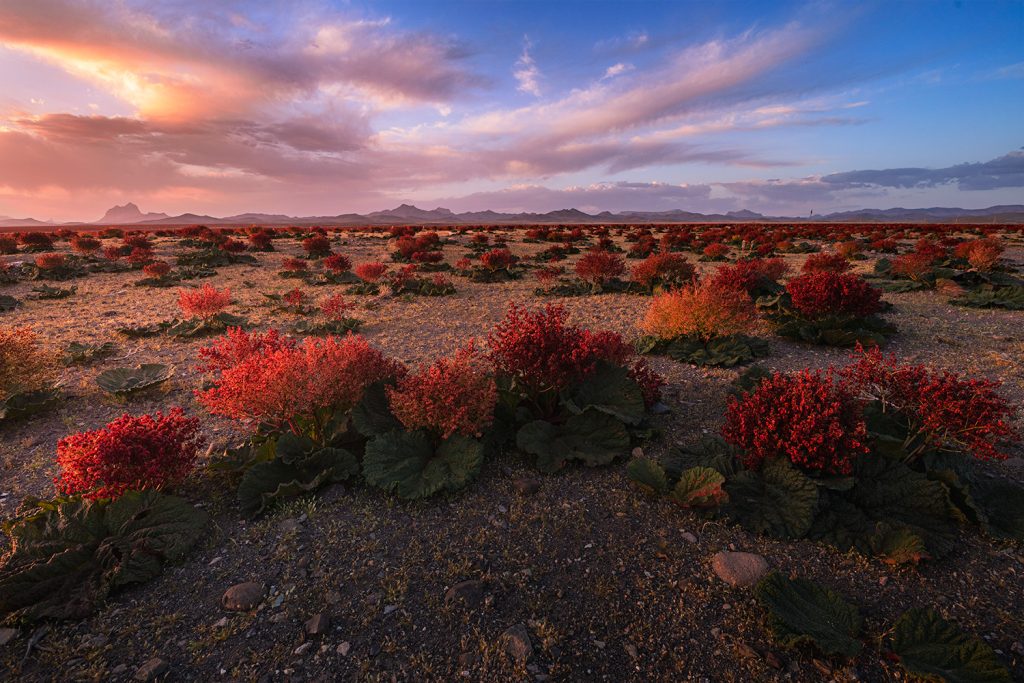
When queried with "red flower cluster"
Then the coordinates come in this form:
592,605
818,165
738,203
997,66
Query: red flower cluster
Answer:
544,355
204,302
85,245
295,297
406,246
334,307
496,259
25,365
817,295
337,263
281,385
50,261
129,454
292,264
809,418
749,275
701,310
913,265
317,245
237,345
453,395
157,268
599,266
370,272
949,412
548,274
261,240
826,263
664,269
139,256
716,250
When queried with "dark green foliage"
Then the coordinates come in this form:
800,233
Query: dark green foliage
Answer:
723,352
591,437
69,555
335,327
778,500
800,611
372,415
214,258
932,649
290,466
44,292
610,390
8,303
833,330
78,353
649,475
27,403
129,380
196,327
1010,298
410,465
138,331
699,487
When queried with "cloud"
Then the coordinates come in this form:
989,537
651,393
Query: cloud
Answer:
617,69
196,58
526,72
1004,171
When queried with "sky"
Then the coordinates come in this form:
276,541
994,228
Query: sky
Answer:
322,108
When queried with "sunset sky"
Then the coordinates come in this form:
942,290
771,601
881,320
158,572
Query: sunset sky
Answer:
320,108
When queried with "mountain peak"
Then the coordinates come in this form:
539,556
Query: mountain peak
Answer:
127,214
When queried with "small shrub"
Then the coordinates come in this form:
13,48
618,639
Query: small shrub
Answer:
204,302
157,269
50,261
751,276
451,396
317,245
670,270
597,267
129,454
821,294
337,263
293,265
826,263
813,420
85,245
700,310
370,272
716,251
25,364
496,259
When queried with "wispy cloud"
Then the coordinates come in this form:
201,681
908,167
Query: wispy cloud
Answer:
526,72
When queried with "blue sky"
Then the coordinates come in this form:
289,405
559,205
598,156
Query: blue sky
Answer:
323,108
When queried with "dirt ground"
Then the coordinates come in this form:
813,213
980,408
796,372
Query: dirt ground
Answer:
609,585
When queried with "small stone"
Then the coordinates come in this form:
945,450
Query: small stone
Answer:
715,632
303,649
599,644
119,669
333,597
469,593
221,623
638,452
526,486
318,624
152,669
388,609
344,648
630,649
289,526
688,537
515,641
243,597
7,635
882,580
739,569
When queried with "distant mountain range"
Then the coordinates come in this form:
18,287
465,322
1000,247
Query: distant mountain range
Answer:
130,214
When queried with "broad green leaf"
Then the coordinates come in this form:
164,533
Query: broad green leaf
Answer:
408,464
609,389
700,487
647,474
372,415
128,380
68,555
800,611
590,437
265,483
932,649
778,500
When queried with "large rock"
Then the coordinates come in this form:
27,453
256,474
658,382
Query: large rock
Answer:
469,593
739,569
152,670
515,641
243,597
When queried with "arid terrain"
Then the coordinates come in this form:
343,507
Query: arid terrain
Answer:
520,575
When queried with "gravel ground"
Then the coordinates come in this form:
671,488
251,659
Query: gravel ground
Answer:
608,585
